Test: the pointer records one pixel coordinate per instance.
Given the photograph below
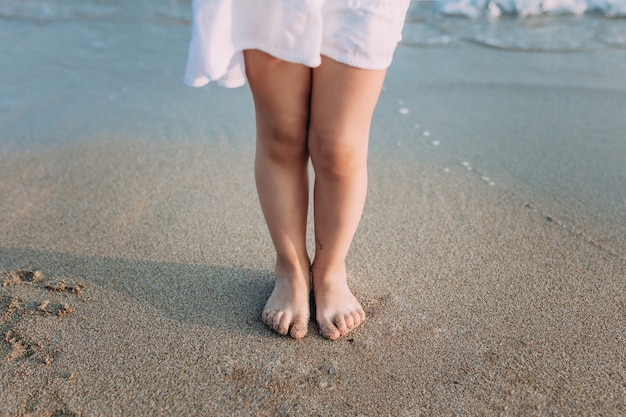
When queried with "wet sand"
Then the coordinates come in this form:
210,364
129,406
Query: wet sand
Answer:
135,260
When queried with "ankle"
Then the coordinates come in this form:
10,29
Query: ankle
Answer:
328,271
292,268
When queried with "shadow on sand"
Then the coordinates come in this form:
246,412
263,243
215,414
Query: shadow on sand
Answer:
213,296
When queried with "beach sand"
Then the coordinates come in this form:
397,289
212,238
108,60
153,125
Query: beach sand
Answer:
135,261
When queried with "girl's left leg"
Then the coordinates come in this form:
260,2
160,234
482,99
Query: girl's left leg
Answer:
342,103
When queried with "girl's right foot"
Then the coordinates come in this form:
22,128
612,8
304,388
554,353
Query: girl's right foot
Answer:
287,310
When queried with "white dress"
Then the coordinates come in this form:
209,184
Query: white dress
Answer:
359,33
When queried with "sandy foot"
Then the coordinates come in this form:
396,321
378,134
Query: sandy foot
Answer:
287,309
337,310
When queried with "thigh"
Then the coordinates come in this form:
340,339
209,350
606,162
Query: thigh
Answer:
343,99
281,92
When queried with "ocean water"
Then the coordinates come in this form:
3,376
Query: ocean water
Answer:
525,25
551,25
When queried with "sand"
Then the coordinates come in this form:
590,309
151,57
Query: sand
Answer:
135,261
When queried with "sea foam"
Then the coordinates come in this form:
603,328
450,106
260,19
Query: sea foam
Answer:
497,8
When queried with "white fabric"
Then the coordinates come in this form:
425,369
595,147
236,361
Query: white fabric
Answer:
360,33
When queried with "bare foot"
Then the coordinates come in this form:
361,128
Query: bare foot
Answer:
337,311
287,309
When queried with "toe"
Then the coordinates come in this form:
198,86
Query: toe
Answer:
268,316
283,325
276,320
361,314
350,324
356,318
328,330
299,329
340,323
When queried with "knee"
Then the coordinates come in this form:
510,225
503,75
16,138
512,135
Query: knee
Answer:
335,157
282,142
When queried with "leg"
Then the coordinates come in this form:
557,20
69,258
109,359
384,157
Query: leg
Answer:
281,92
342,104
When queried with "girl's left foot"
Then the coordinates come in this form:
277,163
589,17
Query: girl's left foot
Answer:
337,310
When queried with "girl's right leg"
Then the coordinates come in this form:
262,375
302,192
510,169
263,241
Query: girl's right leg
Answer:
281,92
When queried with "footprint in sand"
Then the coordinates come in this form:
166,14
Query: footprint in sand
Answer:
20,277
15,309
62,286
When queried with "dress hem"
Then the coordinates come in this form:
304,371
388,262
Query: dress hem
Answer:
223,81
